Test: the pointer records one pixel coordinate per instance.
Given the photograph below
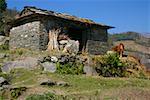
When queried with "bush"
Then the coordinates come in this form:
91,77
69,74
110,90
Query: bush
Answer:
109,66
68,64
134,68
70,68
4,47
16,92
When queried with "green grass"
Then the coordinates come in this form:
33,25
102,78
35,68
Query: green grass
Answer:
23,77
80,82
81,85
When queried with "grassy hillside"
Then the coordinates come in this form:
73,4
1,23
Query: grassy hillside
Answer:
124,36
81,86
131,45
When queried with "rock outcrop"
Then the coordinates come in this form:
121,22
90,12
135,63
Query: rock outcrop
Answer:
27,63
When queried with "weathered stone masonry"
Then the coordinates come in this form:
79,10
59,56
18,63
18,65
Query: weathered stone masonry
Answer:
25,36
31,30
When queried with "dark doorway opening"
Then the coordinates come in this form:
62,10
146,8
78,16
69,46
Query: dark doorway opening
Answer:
76,34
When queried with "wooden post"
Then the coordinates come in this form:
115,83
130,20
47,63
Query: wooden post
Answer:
53,43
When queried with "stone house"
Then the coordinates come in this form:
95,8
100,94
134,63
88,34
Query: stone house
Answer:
33,28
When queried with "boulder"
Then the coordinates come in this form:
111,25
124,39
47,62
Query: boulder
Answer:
63,59
72,47
4,40
49,66
3,81
27,63
62,83
54,59
146,62
18,91
89,71
47,58
6,86
1,88
48,82
2,55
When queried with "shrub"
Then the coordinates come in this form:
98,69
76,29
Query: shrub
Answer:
70,68
4,47
16,92
134,68
109,65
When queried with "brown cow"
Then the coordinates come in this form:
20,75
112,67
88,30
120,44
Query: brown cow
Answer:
119,49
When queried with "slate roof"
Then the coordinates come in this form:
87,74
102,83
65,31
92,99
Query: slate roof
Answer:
34,10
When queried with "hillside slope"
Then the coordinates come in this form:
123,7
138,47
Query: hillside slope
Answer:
135,45
131,45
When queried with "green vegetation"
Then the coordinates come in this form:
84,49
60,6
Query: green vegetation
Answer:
3,5
18,51
70,68
6,15
80,86
110,65
124,36
4,47
24,76
16,92
6,76
46,96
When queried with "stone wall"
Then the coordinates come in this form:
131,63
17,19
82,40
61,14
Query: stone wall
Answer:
25,36
96,40
96,47
97,34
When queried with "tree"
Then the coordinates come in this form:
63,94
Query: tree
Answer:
3,6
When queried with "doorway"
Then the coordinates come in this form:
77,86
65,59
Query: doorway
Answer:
76,34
